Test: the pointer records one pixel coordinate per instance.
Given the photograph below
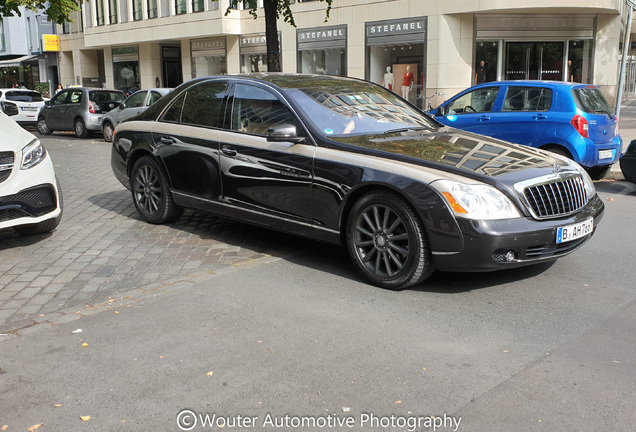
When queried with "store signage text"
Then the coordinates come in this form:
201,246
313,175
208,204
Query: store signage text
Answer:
538,22
315,35
396,28
208,44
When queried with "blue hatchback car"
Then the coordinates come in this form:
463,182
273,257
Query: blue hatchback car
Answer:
574,120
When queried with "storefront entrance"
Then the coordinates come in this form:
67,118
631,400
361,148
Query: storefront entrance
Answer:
534,61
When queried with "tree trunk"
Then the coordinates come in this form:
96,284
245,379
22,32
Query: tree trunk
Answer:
271,34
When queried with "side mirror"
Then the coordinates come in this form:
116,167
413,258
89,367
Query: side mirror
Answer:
284,133
9,108
122,105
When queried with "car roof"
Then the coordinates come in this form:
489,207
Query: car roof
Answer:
535,83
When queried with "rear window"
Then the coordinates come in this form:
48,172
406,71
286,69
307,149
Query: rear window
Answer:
591,100
23,96
101,96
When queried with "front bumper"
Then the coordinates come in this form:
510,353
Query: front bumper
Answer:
532,241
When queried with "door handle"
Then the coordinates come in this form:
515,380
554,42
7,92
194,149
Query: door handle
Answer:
228,151
166,140
483,118
539,117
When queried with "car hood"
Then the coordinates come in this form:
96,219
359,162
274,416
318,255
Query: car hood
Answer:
460,152
14,138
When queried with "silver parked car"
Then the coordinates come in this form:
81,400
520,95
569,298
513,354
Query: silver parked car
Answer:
78,109
136,103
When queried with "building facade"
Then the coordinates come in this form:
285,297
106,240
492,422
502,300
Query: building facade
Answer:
414,47
23,58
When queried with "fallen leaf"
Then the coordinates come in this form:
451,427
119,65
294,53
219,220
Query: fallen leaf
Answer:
123,421
85,418
423,369
398,402
610,199
116,312
210,373
160,356
84,345
35,427
505,351
4,427
346,409
57,405
76,331
616,361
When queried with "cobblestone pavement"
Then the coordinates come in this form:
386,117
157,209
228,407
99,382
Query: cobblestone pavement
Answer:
102,249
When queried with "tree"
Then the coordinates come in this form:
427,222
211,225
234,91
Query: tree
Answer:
272,10
57,11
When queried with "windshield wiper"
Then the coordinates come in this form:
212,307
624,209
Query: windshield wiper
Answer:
603,111
406,129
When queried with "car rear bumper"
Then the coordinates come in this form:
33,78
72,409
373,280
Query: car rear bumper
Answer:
596,154
486,243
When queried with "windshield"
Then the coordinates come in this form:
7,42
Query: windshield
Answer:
591,100
353,108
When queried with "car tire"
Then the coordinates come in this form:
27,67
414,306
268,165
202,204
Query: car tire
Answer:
80,128
598,172
44,226
387,241
43,129
151,193
107,130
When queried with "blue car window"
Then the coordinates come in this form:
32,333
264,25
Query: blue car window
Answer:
520,98
477,101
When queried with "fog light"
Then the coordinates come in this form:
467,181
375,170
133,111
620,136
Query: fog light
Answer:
510,256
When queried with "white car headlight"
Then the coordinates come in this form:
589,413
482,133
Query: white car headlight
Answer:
32,154
476,201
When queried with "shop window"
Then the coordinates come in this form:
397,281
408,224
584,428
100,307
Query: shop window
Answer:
126,68
99,12
486,56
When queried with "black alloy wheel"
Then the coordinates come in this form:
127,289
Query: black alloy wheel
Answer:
151,193
387,241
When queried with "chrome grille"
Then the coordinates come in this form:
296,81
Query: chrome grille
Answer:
6,165
558,197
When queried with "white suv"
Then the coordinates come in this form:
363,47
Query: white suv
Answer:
28,102
30,195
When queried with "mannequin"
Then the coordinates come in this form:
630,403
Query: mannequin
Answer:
388,79
407,83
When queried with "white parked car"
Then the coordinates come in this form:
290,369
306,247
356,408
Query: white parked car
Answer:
30,195
28,102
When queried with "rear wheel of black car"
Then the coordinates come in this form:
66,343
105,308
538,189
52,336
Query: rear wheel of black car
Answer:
107,130
80,128
387,241
151,193
44,226
43,129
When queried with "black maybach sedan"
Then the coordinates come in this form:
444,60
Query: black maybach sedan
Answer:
348,162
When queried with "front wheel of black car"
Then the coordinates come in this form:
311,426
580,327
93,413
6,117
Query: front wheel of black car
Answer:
387,241
151,194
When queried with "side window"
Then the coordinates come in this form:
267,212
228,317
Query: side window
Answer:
477,101
137,100
527,99
203,104
154,97
173,115
60,98
256,110
76,97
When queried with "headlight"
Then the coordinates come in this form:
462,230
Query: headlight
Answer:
33,154
476,201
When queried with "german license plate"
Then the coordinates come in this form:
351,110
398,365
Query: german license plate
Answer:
29,108
576,231
605,154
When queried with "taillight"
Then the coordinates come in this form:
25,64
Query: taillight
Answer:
581,125
91,107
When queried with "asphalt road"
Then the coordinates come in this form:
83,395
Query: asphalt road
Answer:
282,332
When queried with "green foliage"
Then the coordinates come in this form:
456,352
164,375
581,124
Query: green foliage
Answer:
283,8
57,11
42,87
